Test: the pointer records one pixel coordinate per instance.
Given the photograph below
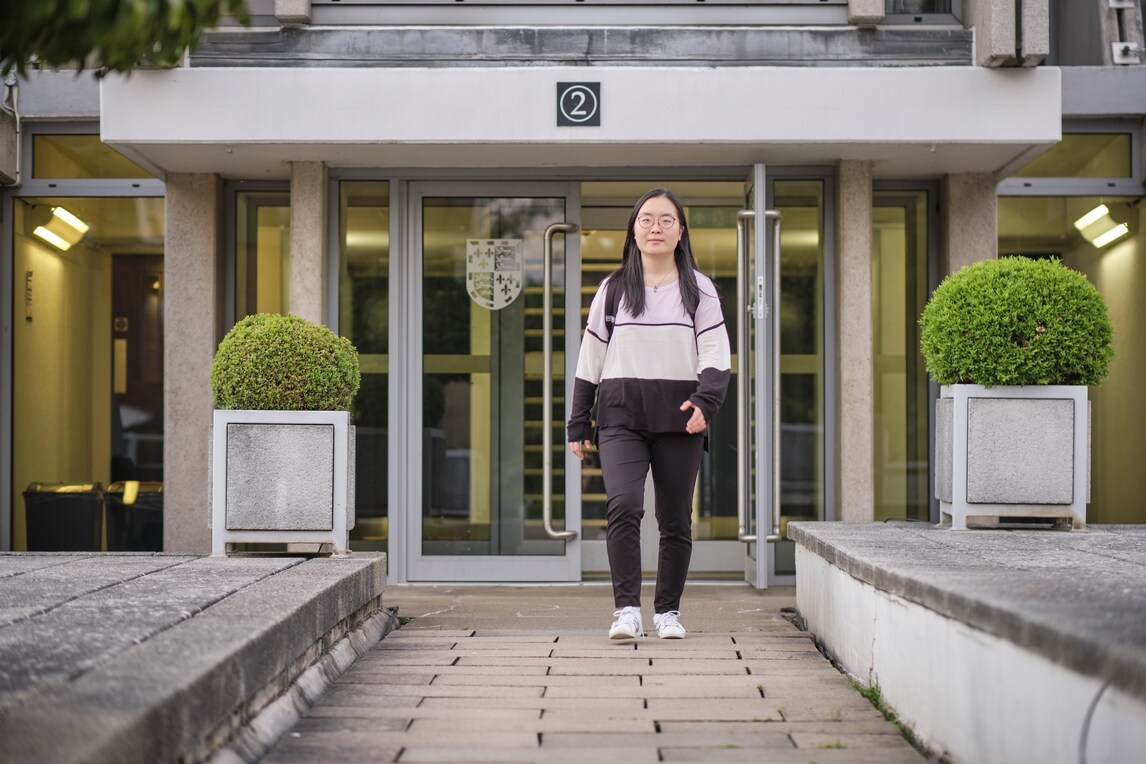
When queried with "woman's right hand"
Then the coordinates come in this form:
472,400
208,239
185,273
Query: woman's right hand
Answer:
579,447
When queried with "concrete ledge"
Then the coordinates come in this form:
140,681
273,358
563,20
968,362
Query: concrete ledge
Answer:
991,645
164,658
461,45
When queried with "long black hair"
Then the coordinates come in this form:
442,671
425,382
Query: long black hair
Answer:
632,272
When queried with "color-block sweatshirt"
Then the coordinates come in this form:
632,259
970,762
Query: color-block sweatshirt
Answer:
652,364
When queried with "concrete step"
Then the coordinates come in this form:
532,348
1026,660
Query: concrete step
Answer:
153,658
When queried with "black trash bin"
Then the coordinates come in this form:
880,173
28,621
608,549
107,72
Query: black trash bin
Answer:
64,517
134,517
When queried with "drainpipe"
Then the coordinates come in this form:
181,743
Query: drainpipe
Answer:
11,104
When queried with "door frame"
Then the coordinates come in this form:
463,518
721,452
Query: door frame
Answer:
406,466
758,553
406,343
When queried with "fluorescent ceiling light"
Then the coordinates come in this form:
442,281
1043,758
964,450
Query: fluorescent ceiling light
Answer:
1117,232
367,238
1093,216
54,239
63,229
70,219
1100,228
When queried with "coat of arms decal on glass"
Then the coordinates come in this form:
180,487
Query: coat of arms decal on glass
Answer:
494,269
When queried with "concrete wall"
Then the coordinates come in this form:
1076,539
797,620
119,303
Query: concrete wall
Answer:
857,389
1103,92
962,691
59,96
193,320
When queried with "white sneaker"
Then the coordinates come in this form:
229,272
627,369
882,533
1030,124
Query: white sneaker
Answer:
628,624
668,625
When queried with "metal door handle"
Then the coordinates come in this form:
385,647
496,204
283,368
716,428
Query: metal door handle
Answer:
547,382
743,465
775,216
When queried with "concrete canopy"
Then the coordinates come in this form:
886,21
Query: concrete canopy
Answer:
910,122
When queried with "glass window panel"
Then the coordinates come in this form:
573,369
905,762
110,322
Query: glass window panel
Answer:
899,283
919,6
1083,155
80,156
1045,227
364,318
262,252
87,348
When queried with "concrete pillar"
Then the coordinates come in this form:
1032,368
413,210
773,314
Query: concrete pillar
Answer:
968,220
1009,32
292,11
857,385
8,153
866,12
994,25
1034,32
193,326
307,296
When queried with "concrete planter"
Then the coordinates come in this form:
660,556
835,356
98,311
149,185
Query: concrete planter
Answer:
281,477
1012,451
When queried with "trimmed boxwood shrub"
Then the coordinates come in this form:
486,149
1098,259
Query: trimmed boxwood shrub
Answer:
273,362
1016,321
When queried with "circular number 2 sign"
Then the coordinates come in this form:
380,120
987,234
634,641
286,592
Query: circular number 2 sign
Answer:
578,104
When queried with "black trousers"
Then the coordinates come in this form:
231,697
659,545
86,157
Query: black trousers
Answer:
626,456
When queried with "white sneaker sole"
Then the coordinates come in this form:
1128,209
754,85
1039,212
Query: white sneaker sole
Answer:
622,634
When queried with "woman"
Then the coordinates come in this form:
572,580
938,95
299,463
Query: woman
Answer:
656,360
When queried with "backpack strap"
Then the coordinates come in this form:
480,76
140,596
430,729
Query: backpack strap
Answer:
612,301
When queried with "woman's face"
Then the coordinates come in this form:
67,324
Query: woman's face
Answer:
663,231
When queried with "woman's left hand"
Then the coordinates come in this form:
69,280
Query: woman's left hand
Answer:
696,423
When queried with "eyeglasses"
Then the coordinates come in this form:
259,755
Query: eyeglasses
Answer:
664,221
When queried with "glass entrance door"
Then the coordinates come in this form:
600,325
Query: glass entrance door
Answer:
491,338
472,434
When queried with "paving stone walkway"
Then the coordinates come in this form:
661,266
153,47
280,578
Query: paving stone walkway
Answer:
434,692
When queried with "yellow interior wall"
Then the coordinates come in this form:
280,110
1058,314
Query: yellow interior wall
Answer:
61,371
